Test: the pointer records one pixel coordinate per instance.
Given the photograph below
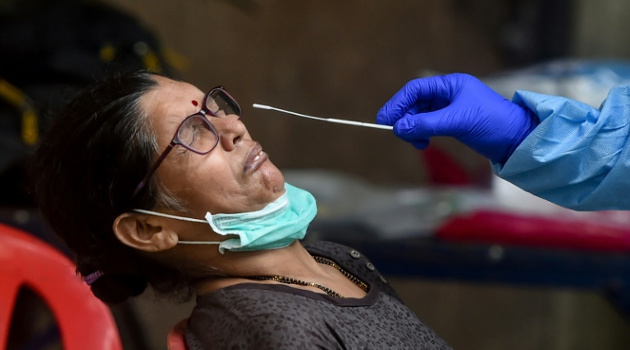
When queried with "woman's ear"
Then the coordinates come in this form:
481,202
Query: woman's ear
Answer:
140,232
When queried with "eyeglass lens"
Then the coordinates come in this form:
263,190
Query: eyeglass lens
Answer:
219,103
196,132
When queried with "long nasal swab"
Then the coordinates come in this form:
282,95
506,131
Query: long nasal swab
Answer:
330,120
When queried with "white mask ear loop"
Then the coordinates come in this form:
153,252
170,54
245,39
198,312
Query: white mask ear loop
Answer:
182,218
198,242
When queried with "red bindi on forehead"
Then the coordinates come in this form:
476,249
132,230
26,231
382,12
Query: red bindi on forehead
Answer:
195,103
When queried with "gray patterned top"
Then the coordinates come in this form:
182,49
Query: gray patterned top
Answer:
275,316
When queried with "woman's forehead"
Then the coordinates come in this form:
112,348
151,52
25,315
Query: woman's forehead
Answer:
170,98
169,90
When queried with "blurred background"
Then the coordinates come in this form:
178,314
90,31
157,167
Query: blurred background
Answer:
339,59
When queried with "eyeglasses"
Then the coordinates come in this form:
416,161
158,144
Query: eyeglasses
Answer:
196,133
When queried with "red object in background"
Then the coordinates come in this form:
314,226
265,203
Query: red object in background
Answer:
485,226
443,170
25,261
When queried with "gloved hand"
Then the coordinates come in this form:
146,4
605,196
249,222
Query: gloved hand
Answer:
461,106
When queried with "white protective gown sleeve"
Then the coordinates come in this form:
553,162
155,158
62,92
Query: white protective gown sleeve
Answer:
579,156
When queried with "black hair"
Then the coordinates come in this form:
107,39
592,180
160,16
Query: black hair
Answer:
84,173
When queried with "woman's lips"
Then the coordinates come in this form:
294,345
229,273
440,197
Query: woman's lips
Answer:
255,158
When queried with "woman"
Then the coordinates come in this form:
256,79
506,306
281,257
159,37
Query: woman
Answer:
151,181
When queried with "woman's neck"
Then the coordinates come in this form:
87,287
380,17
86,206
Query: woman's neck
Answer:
292,266
237,267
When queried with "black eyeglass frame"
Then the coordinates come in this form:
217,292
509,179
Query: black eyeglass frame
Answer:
176,140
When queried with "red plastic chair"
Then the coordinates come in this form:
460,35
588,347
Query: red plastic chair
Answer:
175,339
84,321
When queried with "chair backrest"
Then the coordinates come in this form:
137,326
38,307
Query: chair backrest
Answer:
175,339
84,321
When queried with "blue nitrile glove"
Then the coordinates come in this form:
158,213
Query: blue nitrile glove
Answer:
460,106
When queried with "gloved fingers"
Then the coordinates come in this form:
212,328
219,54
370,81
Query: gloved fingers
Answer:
423,94
383,116
415,127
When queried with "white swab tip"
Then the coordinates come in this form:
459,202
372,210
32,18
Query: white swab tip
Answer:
258,105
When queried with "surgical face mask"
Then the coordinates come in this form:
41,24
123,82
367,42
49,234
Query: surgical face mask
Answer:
277,225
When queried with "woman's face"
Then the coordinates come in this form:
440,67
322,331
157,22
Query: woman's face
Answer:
237,176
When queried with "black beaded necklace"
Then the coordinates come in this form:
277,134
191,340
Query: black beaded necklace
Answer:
321,260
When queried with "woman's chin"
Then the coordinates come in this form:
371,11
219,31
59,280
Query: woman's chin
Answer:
272,177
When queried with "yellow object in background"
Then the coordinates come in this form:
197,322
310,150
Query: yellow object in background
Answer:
30,124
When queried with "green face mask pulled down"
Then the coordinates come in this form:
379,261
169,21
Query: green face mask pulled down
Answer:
277,225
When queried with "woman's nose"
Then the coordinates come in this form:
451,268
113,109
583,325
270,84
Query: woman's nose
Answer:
231,130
